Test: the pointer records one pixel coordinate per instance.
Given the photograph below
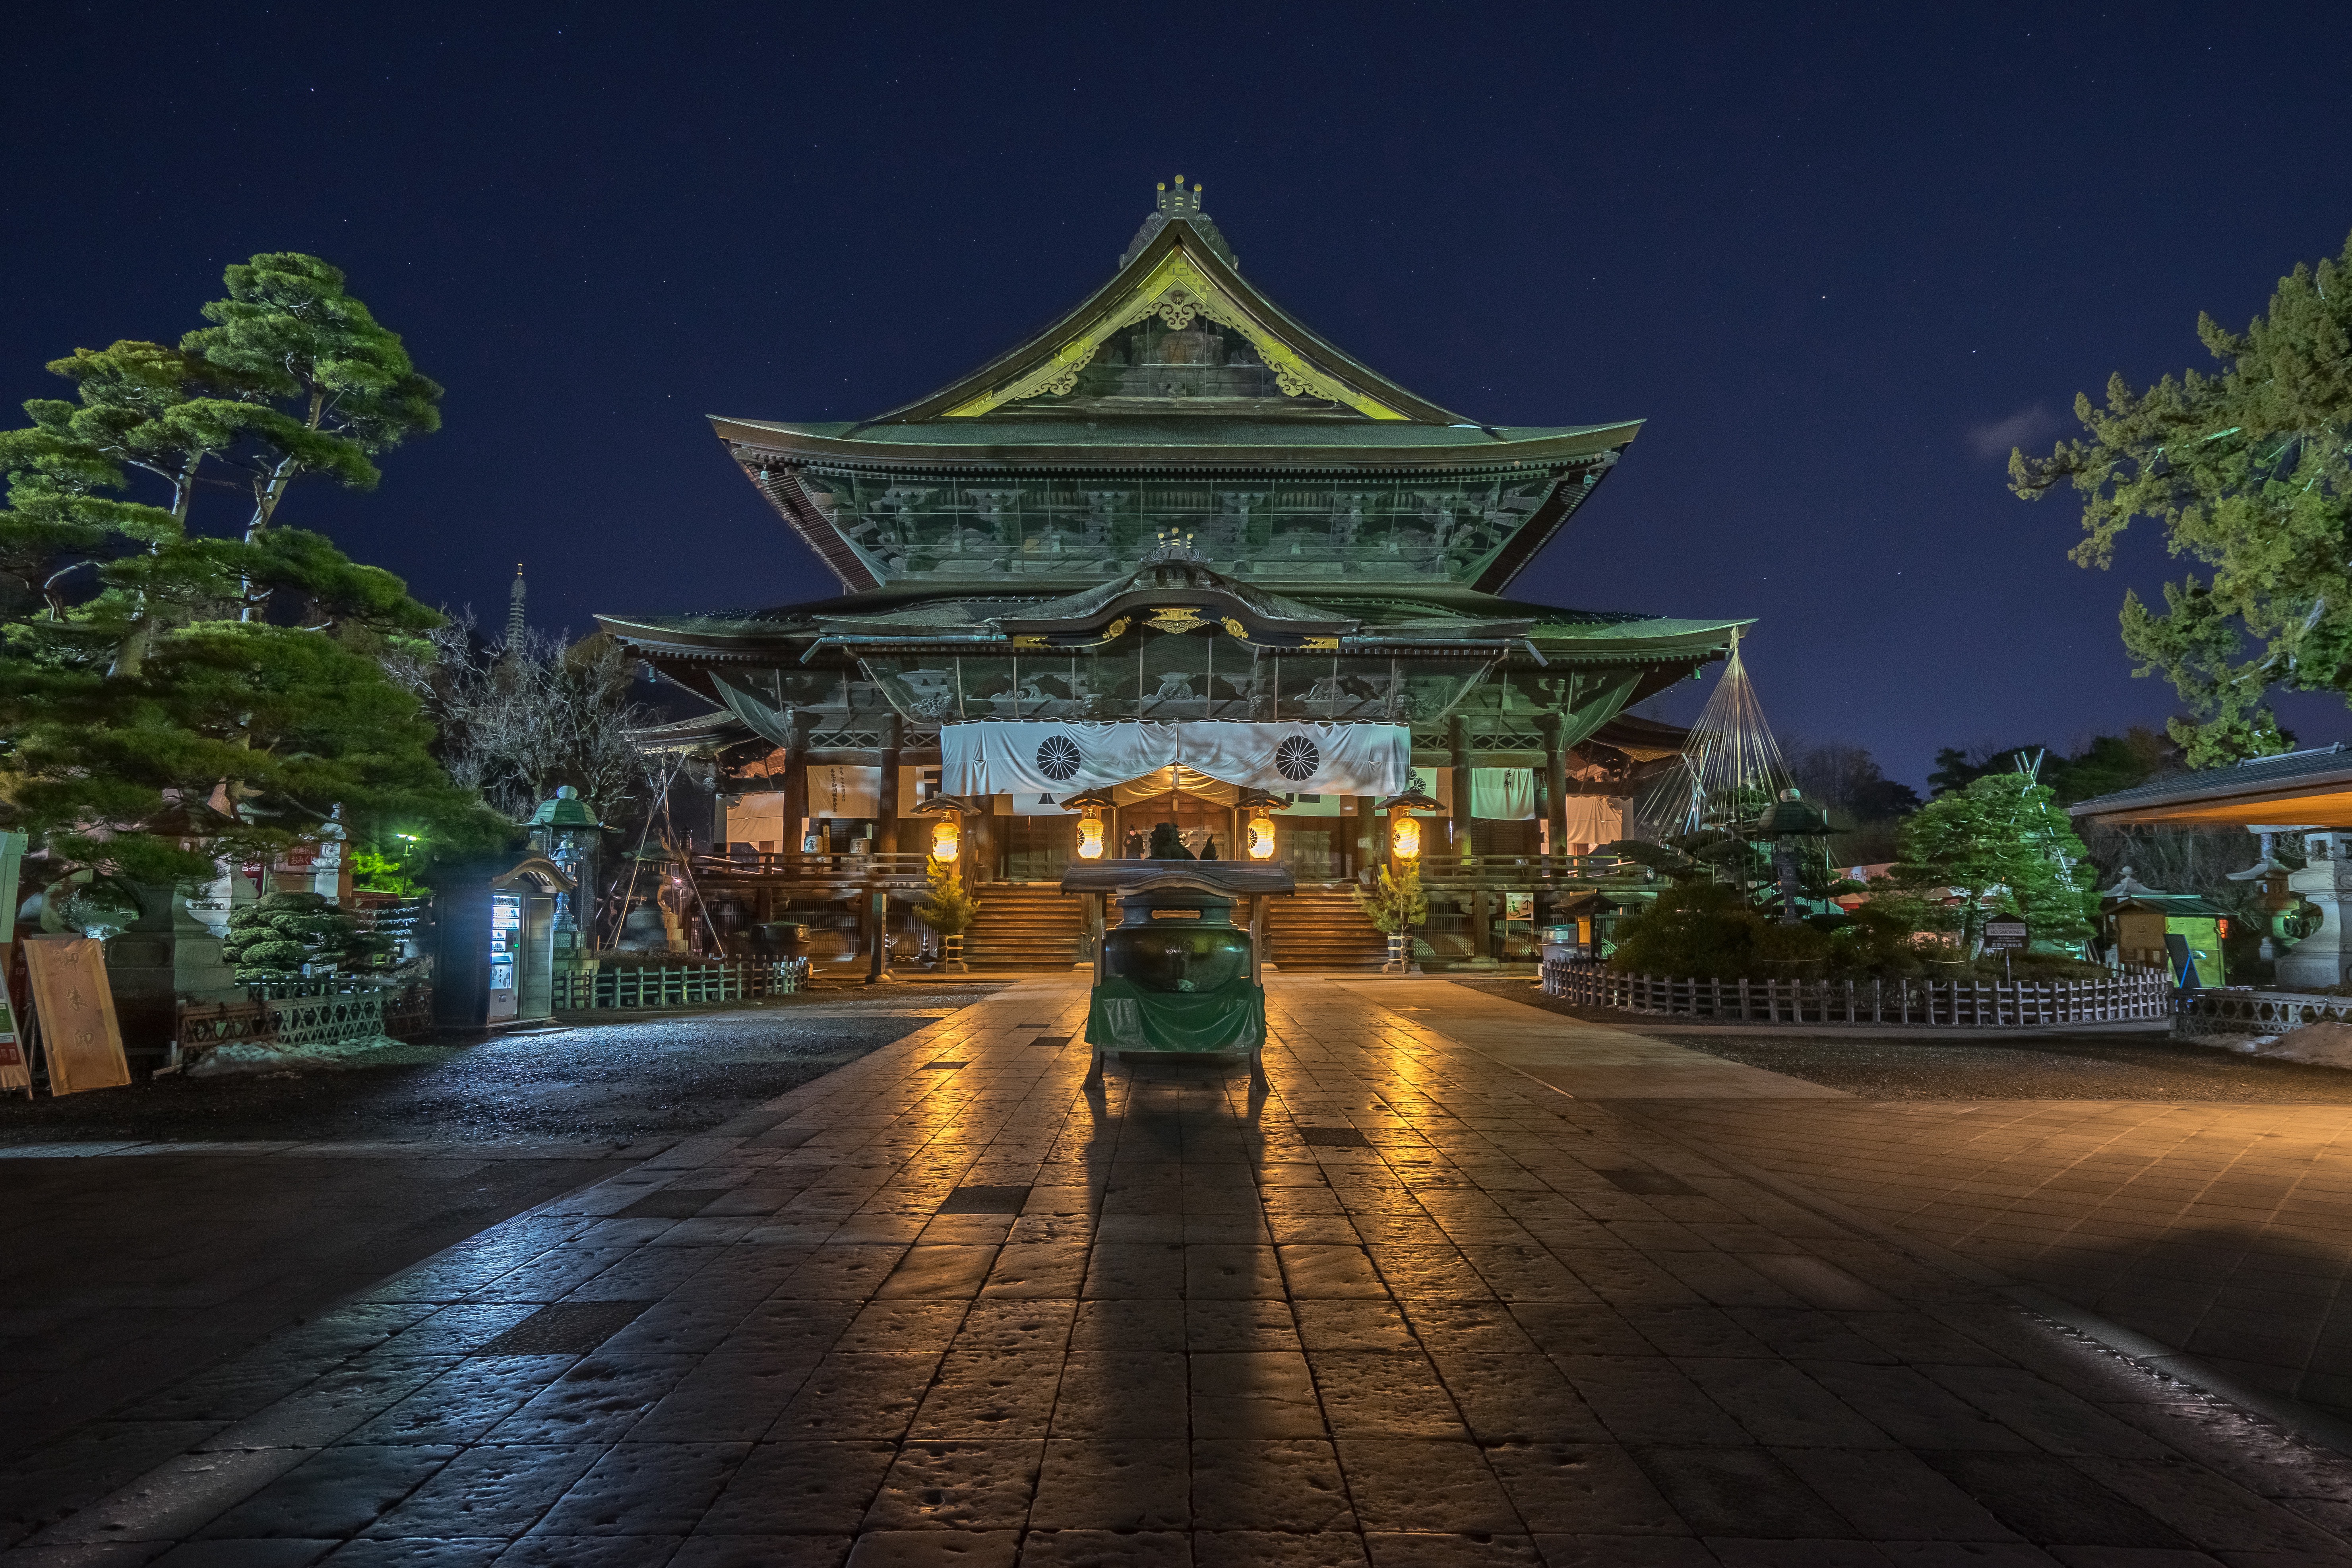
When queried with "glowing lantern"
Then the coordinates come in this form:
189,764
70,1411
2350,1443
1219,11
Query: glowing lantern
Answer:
945,843
1260,838
1091,837
1404,838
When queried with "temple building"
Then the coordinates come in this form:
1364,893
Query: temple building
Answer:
1182,558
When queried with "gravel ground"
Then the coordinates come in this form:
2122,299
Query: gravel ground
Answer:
2093,1064
651,1076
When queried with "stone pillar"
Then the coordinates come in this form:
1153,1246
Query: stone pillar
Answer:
796,734
1555,781
1458,735
2325,957
885,829
164,957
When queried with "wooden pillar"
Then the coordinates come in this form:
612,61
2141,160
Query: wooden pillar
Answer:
981,858
885,829
1555,780
1458,734
796,734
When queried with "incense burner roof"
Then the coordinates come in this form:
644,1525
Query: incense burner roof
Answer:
1177,395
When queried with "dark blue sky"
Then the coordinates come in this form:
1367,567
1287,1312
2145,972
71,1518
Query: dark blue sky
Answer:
1838,257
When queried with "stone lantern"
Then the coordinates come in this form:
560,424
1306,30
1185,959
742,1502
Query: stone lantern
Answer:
563,829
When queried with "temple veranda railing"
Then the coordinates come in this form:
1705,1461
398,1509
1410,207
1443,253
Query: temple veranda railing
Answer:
2132,996
644,985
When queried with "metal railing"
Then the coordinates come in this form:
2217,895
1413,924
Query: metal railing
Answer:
678,984
288,1014
2251,1012
899,868
2134,994
1527,871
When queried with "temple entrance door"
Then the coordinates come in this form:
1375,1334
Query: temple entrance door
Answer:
1197,821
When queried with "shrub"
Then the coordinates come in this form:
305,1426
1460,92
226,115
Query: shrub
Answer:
279,933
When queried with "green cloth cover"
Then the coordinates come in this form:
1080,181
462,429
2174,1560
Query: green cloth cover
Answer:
1123,1016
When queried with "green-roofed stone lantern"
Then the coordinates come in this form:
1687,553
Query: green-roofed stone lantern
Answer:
560,830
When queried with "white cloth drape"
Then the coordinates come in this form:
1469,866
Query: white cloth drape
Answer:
1503,795
998,758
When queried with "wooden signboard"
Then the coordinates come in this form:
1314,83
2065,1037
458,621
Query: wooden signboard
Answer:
73,1007
2004,931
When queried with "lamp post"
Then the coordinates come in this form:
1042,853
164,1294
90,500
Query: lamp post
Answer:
946,812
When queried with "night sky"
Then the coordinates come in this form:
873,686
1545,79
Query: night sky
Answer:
1840,257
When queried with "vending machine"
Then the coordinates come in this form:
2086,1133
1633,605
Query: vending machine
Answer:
505,955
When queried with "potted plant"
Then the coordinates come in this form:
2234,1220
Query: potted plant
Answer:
1394,905
948,911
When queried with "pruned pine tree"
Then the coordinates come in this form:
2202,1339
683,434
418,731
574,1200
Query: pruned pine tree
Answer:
170,696
2249,472
2001,843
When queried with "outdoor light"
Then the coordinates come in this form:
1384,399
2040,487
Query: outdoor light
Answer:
1405,837
1260,839
1091,837
945,844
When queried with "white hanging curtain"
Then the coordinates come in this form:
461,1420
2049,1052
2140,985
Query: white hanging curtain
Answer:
998,758
1503,795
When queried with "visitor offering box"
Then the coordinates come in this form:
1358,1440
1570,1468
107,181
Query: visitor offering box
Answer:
1176,975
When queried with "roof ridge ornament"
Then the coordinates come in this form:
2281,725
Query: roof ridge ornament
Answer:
1182,202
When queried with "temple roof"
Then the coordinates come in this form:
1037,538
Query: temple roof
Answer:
1176,393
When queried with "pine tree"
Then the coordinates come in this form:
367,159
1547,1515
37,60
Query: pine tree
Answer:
2249,473
168,696
2001,841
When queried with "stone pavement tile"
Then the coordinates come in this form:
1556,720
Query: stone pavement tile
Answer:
1314,1272
1229,1272
902,1325
1583,1489
957,1487
491,1489
1562,1330
786,1326
1741,1492
1135,1270
589,1551
1886,1495
851,1273
1430,1550
1262,1548
937,1273
1132,1394
174,1500
989,1394
333,1494
474,1552
1264,1484
2053,1505
263,1553
597,1400
1516,1398
1386,1394
2216,1513
761,1551
727,1397
1240,1325
464,1401
645,1489
857,1397
1253,1394
1144,1325
1698,1332
2048,1415
1044,1548
1781,1406
1042,1269
1805,1333
1648,1399
1352,1325
800,1487
330,1407
1917,1414
1739,1552
936,1549
1407,1484
1625,1551
1114,1483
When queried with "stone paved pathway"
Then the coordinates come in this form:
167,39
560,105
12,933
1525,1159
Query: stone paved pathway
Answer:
1413,1307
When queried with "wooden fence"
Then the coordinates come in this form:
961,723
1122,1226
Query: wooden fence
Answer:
2135,993
678,986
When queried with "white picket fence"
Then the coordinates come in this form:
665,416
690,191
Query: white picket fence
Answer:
2134,993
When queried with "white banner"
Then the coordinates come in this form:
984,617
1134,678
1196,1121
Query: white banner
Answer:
998,758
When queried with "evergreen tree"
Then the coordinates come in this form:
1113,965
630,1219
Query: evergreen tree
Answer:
168,696
2001,841
2249,473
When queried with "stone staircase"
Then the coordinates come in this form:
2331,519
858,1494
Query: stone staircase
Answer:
1319,927
1025,925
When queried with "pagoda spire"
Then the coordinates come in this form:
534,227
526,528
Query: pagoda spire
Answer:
515,611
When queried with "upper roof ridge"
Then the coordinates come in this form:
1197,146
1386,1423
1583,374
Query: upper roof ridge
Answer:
1180,203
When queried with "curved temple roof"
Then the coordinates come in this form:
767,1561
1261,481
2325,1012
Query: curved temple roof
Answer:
1175,396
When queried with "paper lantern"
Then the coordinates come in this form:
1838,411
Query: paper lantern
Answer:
1091,837
1405,837
1261,838
945,842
